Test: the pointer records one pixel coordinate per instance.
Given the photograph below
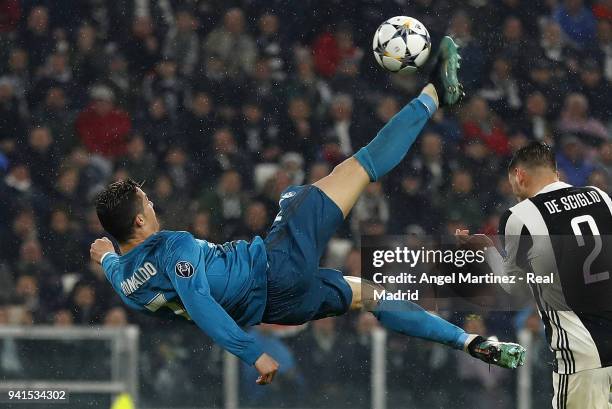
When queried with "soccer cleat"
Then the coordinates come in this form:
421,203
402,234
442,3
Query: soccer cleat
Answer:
504,354
444,74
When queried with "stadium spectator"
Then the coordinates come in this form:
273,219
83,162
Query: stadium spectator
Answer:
225,155
42,157
102,127
344,129
115,317
55,72
460,201
318,171
535,121
412,205
258,134
272,190
168,204
61,248
577,21
53,113
36,37
371,212
293,165
604,47
18,186
11,120
352,262
319,358
501,89
86,307
232,46
165,83
576,119
306,84
19,77
481,164
39,280
597,91
604,160
332,50
138,161
225,203
600,179
182,43
142,46
66,190
299,130
271,45
481,123
201,227
197,123
514,40
156,126
471,50
572,162
88,61
10,12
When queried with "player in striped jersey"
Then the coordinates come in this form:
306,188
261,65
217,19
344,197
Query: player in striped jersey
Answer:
562,229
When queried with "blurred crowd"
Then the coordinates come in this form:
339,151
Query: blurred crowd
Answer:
218,106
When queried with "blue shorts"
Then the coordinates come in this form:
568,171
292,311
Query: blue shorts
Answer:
298,290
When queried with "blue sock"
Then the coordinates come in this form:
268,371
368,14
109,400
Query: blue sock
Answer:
392,142
410,319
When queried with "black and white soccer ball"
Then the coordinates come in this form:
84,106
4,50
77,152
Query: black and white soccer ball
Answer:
401,44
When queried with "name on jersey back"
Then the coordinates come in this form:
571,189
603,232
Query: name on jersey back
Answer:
571,202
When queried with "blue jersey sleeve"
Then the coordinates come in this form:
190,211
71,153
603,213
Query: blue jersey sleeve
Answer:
109,265
187,274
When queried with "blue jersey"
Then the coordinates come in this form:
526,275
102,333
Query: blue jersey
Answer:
218,287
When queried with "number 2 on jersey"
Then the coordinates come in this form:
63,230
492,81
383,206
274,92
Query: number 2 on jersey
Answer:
586,267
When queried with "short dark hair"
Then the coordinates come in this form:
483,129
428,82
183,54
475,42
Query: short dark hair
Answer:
534,155
117,206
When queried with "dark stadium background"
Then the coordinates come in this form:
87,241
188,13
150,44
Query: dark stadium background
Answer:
218,106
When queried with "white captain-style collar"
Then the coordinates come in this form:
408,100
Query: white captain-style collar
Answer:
553,186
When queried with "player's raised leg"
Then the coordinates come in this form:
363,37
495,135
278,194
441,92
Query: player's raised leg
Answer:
346,182
410,319
344,185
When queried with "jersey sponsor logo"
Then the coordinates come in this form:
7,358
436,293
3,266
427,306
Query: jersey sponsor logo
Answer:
184,269
136,280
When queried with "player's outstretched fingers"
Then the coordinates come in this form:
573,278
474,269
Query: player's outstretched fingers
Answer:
266,379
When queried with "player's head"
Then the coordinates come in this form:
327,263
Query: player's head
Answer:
531,168
126,212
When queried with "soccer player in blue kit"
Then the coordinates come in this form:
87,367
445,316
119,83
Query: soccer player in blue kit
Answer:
222,288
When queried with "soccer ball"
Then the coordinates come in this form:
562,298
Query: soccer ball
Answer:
401,44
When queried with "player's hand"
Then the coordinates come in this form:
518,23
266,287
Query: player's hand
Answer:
267,368
99,247
462,236
479,241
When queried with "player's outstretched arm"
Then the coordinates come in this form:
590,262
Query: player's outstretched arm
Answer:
193,289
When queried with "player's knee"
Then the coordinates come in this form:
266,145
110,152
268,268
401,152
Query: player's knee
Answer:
369,298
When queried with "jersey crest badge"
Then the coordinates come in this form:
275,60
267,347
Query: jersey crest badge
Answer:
184,269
